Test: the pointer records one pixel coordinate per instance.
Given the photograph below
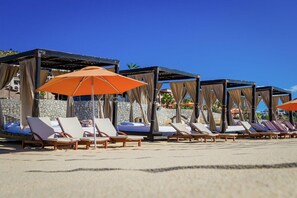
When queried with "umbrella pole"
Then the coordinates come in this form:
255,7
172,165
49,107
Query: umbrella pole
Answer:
92,85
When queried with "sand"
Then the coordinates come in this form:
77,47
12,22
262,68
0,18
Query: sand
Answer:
244,168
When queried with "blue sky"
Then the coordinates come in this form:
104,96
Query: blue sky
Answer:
253,40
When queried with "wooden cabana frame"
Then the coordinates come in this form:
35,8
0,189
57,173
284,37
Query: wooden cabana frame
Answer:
49,59
275,91
231,84
163,74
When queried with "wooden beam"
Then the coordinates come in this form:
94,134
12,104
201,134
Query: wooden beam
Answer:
154,104
224,106
115,102
270,103
254,104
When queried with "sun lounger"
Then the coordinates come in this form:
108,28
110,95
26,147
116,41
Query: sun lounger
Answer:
251,132
290,126
71,127
204,130
106,128
281,127
272,127
183,133
43,134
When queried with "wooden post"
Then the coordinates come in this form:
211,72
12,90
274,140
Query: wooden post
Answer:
115,102
224,105
228,108
35,110
154,105
270,103
253,109
291,112
197,98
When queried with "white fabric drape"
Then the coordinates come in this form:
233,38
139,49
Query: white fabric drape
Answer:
236,96
131,100
231,105
219,93
274,104
284,99
100,106
149,79
178,92
139,95
210,99
108,106
7,72
248,94
156,126
200,107
191,87
27,82
70,107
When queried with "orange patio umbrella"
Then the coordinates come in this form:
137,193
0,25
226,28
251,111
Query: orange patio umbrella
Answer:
90,81
289,106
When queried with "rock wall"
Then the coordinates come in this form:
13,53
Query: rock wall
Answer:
83,110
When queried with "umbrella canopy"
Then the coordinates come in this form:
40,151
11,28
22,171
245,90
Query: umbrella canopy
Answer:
289,106
79,83
90,81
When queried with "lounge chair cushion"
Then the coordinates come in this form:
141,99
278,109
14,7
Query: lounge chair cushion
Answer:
42,127
202,128
104,125
259,127
91,139
248,127
71,126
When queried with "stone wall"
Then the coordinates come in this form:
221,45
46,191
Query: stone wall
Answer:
83,109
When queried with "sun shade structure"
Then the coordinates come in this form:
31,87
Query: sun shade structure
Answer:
160,75
271,95
33,63
90,81
222,89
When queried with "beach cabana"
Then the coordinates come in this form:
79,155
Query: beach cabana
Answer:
227,92
155,76
34,67
271,96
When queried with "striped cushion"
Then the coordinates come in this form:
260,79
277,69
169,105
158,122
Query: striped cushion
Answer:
259,127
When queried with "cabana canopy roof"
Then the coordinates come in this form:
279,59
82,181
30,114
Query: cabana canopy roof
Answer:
165,74
275,90
230,83
59,60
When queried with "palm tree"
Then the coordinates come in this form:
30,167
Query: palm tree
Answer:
133,66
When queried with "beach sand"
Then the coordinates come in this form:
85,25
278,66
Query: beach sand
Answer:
244,168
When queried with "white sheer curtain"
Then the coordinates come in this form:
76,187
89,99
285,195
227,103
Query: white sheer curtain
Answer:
70,107
131,100
219,93
191,87
27,82
178,92
236,96
108,106
210,99
100,106
7,72
248,94
274,104
139,95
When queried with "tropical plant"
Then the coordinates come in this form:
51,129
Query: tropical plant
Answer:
133,66
167,99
